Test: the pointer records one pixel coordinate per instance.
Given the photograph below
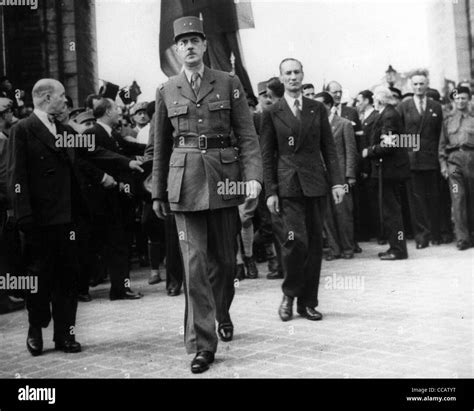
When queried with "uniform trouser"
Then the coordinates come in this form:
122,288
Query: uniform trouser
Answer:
338,223
299,232
461,182
424,200
174,261
51,255
208,246
392,217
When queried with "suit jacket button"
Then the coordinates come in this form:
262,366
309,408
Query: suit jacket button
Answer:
198,105
200,120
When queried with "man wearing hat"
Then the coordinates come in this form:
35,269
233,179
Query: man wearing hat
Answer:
84,121
196,111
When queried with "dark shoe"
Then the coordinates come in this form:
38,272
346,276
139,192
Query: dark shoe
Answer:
68,346
154,278
357,249
381,242
331,257
34,341
226,332
392,256
240,274
84,298
173,292
251,265
309,313
462,245
201,362
8,305
347,256
126,295
275,275
422,245
286,308
436,242
384,253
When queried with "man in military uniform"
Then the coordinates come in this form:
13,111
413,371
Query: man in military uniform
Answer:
195,166
456,156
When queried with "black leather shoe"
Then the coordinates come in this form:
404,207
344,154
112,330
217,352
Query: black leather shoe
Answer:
251,265
309,313
68,346
275,275
34,341
126,295
357,249
462,245
173,292
84,298
240,274
384,252
422,245
392,256
331,257
286,308
347,256
226,332
201,362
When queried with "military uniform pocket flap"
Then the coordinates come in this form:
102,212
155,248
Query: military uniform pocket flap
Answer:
178,160
219,105
174,111
229,156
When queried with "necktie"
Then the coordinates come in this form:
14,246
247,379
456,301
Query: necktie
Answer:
196,82
297,110
422,111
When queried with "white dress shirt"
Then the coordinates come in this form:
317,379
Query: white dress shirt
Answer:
419,105
43,116
367,113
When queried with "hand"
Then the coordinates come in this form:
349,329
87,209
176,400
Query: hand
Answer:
365,152
351,181
135,165
445,172
161,209
108,181
273,204
338,194
253,189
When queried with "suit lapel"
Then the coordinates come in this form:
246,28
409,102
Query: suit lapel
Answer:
425,115
307,117
206,84
69,150
185,88
42,133
285,114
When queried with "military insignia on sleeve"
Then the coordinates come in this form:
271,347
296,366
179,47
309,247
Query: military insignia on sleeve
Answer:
236,93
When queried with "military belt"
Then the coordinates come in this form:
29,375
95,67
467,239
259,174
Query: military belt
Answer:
203,142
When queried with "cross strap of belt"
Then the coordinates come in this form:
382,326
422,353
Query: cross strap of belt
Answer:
203,142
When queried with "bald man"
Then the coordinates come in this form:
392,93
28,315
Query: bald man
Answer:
47,203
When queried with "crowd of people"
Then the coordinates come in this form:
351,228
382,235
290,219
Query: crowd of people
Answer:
387,168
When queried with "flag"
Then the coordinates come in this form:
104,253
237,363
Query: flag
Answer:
222,19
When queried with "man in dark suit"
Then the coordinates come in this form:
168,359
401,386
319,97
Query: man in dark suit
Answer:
46,200
423,117
369,218
390,163
295,132
342,110
194,158
109,233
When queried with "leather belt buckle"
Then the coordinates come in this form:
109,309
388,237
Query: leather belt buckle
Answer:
202,142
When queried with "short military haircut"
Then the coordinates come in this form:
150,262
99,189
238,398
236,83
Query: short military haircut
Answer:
276,86
290,59
367,94
101,107
419,72
307,86
327,98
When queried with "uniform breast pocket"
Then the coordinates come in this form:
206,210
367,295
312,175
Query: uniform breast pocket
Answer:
221,110
179,117
175,176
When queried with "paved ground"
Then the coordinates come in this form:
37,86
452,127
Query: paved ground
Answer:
399,319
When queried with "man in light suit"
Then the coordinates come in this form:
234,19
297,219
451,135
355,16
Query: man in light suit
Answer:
194,162
295,132
338,223
422,117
